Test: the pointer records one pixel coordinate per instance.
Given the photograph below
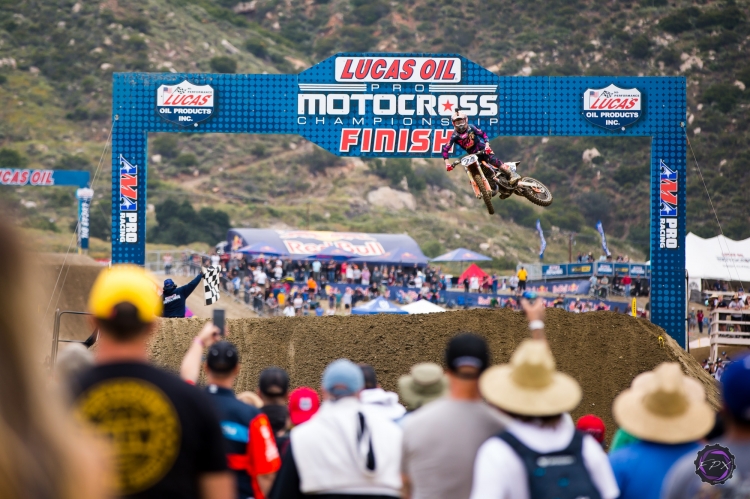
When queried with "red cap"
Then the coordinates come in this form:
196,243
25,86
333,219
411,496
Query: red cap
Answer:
303,404
592,425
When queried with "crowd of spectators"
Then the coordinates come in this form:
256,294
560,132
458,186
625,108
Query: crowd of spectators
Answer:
119,427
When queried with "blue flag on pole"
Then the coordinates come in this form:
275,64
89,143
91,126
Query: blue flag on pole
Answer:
600,229
542,242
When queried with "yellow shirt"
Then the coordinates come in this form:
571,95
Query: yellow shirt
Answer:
522,275
281,299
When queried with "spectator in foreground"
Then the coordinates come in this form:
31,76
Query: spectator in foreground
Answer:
303,404
424,383
273,388
667,411
43,453
174,298
682,482
594,426
538,399
378,399
344,451
166,438
251,448
441,439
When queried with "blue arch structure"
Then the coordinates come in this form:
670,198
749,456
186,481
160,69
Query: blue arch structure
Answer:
398,105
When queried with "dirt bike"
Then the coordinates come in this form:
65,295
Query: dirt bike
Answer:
486,185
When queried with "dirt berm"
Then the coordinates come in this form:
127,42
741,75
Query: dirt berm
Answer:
602,350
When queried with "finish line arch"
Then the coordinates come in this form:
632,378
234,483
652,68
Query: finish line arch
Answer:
399,105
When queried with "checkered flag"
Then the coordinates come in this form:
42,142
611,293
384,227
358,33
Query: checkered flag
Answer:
211,284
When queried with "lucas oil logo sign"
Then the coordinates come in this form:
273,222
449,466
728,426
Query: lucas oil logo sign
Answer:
185,104
612,107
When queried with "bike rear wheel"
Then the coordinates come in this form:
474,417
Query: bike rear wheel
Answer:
487,196
538,193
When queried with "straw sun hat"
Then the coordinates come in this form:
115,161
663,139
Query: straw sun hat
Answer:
664,406
529,384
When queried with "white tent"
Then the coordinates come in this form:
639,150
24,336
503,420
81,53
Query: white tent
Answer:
717,258
422,307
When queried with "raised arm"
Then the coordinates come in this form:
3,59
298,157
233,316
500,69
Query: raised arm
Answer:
190,369
535,314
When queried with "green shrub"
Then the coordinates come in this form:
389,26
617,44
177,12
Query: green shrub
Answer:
640,48
367,12
431,249
723,96
138,23
715,43
179,223
73,162
166,145
257,48
223,64
397,169
258,149
675,23
669,57
78,114
744,76
319,160
12,159
3,79
186,160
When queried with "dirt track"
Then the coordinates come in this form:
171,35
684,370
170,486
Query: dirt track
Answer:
602,350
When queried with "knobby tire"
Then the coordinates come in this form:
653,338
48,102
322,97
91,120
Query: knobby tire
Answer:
485,195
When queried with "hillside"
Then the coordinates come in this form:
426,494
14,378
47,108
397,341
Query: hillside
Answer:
56,60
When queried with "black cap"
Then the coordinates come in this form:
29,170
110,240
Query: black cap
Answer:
467,349
222,357
273,382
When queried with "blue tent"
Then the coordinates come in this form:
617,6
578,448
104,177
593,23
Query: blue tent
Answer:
378,306
398,255
263,249
462,255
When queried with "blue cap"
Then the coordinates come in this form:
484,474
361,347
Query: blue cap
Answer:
735,388
169,283
343,378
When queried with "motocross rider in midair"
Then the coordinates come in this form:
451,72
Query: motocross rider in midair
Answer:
475,141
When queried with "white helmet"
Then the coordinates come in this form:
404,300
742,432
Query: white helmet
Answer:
460,122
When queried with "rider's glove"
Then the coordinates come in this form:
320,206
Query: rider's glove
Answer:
448,166
487,148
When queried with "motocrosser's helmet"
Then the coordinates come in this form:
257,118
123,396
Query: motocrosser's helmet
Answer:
460,122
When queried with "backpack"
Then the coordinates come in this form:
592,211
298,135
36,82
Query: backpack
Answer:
555,475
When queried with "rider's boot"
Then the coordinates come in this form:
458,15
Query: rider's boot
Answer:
509,174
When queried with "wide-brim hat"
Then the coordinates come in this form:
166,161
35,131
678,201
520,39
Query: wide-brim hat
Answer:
529,385
425,383
664,406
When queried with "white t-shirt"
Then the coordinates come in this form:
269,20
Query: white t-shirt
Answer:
289,311
498,470
474,282
261,278
298,302
215,260
278,272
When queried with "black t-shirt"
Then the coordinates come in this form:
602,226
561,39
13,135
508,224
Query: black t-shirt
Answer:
165,432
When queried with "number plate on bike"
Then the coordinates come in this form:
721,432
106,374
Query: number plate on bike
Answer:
469,160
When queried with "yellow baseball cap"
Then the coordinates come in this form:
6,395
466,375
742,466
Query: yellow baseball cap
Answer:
125,284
